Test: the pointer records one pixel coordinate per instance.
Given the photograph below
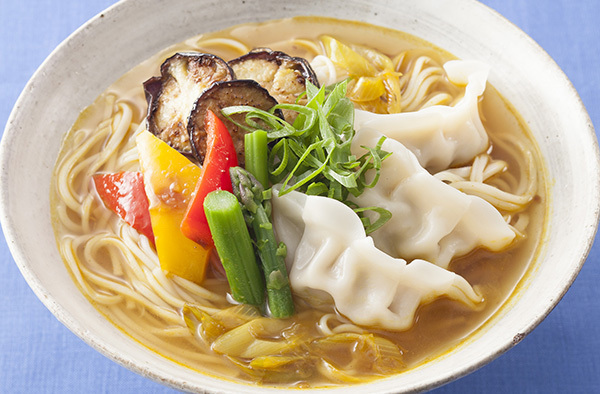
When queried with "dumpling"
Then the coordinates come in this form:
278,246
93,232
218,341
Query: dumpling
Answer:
430,219
330,257
440,136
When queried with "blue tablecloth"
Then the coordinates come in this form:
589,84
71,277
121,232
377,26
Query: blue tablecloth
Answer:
38,354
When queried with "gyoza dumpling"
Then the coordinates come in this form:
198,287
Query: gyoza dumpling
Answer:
430,219
440,136
330,257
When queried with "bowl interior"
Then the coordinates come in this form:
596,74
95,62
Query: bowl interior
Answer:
126,33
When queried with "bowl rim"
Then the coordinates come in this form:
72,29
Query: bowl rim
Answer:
65,318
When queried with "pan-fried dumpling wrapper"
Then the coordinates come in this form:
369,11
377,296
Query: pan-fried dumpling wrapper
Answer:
440,136
331,258
431,220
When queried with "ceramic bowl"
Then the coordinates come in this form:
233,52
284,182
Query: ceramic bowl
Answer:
126,33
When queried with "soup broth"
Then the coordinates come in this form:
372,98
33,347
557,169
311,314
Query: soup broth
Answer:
119,272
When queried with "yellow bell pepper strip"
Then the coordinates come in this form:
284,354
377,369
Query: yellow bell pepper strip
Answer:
170,179
220,156
123,193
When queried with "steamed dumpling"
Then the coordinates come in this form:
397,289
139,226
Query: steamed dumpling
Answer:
440,136
430,219
330,257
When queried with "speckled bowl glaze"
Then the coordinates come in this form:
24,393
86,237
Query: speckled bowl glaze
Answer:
125,34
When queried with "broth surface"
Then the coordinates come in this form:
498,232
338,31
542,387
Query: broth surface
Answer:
439,326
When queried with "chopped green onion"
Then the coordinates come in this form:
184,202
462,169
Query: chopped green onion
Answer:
384,216
314,155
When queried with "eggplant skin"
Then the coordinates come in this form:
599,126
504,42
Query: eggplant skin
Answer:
184,76
282,75
221,95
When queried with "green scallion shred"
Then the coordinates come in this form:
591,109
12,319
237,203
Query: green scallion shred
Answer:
314,155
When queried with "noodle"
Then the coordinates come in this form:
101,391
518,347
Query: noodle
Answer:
423,83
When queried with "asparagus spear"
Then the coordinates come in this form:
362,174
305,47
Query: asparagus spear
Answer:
256,209
256,152
234,247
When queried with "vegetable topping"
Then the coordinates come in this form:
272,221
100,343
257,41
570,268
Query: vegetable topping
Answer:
184,76
233,243
282,75
313,155
191,208
374,82
220,155
170,179
219,96
257,208
123,193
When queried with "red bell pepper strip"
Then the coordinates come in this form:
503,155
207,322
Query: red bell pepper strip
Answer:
124,194
220,156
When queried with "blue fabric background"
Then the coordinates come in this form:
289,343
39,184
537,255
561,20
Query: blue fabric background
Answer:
38,354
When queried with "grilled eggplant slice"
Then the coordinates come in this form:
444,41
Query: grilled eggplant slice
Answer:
221,95
282,75
170,97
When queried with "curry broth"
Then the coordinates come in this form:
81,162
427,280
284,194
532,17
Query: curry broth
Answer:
439,326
